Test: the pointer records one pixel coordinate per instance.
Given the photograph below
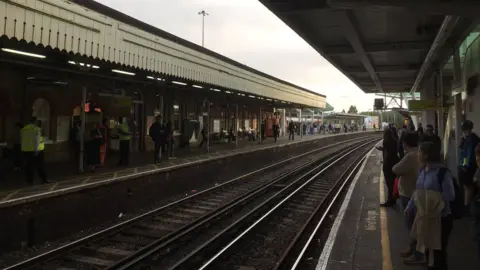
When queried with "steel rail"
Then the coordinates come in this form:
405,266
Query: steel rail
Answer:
321,208
126,224
338,158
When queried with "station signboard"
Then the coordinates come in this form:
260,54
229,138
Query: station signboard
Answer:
424,105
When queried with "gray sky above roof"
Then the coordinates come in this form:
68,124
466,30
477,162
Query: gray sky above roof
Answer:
247,32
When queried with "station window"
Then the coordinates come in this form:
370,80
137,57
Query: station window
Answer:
41,110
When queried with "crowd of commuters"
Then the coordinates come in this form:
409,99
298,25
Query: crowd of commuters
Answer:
431,195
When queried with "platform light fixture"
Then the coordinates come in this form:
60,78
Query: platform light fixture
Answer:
228,92
197,86
216,90
24,53
123,72
269,99
83,64
179,83
250,96
155,78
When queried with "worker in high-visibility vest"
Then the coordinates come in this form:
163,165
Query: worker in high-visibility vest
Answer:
124,135
32,145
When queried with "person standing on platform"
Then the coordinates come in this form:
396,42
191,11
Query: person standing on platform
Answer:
124,136
433,213
93,148
401,132
103,148
420,130
430,136
390,158
169,138
476,202
276,127
32,146
158,135
231,135
468,165
204,137
291,130
407,170
262,129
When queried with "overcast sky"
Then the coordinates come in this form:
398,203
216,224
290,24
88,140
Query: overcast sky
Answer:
247,32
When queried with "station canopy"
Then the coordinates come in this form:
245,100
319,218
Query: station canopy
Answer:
381,45
86,37
309,111
347,116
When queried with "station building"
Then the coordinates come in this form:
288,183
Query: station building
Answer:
63,61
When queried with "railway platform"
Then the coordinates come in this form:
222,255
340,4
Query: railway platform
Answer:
14,188
366,236
77,204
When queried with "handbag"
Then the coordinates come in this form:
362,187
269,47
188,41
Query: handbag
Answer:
396,192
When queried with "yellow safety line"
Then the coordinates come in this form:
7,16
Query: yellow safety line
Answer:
386,254
13,193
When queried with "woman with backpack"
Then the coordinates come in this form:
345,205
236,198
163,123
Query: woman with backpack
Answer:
431,200
407,171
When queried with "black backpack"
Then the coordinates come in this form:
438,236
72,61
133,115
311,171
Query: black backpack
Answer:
456,206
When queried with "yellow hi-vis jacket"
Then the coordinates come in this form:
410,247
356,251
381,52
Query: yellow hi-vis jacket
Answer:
124,132
30,138
41,144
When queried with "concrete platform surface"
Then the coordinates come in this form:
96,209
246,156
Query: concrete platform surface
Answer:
366,236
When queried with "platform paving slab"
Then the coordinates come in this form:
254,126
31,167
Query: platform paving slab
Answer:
361,243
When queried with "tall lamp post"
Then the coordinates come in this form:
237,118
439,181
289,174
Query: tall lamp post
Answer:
203,13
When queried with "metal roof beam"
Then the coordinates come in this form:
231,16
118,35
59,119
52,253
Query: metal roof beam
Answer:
440,40
387,84
400,81
383,69
351,33
379,48
397,87
282,6
463,8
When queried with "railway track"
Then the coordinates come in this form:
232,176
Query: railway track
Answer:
276,233
124,244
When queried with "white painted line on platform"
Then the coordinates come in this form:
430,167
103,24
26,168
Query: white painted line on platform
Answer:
53,187
87,180
11,194
327,249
